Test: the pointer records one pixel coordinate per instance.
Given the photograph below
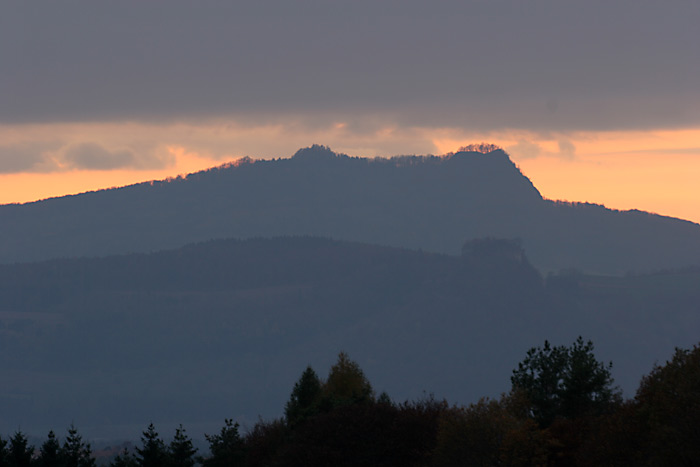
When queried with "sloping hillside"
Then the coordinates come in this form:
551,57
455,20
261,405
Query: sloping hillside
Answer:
431,203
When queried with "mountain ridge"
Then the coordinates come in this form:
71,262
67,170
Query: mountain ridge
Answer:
434,203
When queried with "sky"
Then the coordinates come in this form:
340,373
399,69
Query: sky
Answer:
595,101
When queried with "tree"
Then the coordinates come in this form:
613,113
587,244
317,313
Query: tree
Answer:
264,442
347,383
565,382
76,453
152,452
19,453
304,399
3,452
668,407
181,449
227,448
124,459
49,452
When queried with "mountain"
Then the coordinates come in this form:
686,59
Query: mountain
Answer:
224,328
421,202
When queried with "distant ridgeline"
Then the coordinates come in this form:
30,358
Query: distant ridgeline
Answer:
433,203
225,325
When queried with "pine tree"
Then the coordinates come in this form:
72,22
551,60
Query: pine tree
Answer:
3,452
181,449
49,452
19,453
226,447
153,452
124,459
75,452
304,399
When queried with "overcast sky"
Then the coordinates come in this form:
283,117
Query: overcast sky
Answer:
541,65
83,84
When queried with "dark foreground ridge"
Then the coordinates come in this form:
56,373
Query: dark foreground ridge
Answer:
421,202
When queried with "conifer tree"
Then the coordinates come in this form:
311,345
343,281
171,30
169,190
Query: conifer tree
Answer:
3,452
19,452
304,399
75,452
181,449
227,448
124,459
152,452
49,452
347,383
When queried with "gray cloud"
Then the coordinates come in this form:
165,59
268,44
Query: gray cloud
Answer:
25,157
566,149
545,65
44,157
92,156
524,150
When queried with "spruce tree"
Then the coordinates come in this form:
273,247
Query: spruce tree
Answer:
49,452
304,399
19,452
3,452
181,449
226,447
75,452
124,459
152,452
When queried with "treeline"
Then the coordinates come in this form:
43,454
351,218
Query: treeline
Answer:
562,410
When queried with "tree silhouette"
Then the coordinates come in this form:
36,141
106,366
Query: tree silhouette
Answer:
347,383
124,459
181,449
565,382
76,453
227,447
305,397
3,452
49,452
19,453
152,452
668,405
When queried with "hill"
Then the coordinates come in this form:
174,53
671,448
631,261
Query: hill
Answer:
420,202
223,328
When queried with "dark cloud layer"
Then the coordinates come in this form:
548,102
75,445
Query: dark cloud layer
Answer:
540,65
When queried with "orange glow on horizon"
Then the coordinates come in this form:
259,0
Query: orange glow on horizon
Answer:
654,171
28,187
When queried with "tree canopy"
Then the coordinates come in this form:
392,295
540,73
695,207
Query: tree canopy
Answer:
565,382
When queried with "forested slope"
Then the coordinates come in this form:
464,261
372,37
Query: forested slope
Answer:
182,335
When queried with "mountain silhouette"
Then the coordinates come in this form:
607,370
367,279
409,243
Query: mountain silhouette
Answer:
434,203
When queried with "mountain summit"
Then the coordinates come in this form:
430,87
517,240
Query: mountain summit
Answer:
434,203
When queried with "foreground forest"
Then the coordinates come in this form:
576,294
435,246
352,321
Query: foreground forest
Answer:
563,409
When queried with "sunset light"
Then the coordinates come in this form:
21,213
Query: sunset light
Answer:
355,232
